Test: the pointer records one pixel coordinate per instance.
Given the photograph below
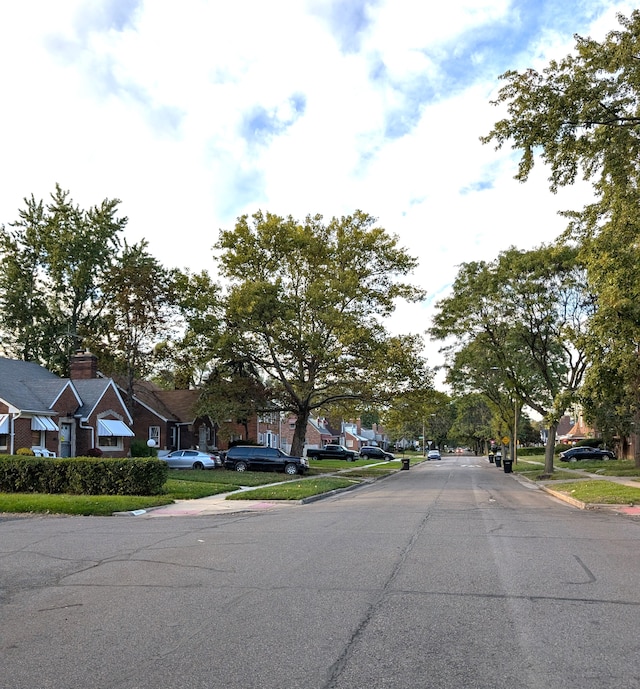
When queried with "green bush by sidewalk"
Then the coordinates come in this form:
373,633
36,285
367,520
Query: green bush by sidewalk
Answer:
82,475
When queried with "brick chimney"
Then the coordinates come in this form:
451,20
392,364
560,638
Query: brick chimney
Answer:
83,365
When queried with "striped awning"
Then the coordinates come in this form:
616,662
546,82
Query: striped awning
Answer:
43,423
113,427
4,423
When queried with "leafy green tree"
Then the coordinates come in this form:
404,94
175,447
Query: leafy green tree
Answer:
52,260
472,425
306,306
187,359
137,298
517,327
580,116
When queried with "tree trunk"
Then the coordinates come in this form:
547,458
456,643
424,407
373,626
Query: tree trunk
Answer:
550,448
300,433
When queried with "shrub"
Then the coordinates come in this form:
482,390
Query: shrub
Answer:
139,448
94,452
82,475
530,451
25,452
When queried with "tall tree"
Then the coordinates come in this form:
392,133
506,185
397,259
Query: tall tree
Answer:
52,260
580,116
137,297
306,306
519,322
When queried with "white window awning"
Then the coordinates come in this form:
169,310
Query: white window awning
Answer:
43,423
112,427
4,424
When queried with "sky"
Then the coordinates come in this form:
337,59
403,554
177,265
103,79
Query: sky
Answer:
193,113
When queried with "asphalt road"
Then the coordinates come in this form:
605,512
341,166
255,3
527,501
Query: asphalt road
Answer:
450,575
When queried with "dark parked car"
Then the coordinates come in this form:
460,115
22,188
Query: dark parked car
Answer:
191,459
576,453
254,458
373,452
331,451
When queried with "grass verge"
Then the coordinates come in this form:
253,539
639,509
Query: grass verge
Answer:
97,505
295,490
600,492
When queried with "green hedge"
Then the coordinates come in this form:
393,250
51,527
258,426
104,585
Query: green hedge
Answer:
82,475
530,451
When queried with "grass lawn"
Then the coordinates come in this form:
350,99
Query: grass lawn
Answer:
600,492
610,467
98,505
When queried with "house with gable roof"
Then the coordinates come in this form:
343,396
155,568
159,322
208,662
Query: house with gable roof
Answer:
169,418
62,417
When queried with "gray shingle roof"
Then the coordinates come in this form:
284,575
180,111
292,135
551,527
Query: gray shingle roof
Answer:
26,385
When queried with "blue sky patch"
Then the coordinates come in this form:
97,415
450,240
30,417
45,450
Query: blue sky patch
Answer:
348,20
259,125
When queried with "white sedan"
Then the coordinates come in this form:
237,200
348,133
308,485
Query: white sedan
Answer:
434,454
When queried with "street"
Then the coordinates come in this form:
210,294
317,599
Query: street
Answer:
450,575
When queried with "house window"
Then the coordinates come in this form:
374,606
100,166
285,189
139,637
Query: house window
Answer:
37,439
4,441
110,442
154,434
111,433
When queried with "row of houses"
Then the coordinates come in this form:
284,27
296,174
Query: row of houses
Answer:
69,417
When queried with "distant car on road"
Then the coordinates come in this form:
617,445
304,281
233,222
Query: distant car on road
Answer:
433,454
583,452
191,459
374,452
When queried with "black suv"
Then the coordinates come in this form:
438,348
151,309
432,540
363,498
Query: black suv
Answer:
373,452
251,457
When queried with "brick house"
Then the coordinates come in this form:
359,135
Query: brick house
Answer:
169,418
62,417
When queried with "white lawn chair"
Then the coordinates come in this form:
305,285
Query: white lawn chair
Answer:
42,452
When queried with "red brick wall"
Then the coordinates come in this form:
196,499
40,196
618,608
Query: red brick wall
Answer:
22,428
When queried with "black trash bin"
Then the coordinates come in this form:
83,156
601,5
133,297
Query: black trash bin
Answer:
498,460
405,464
491,457
507,466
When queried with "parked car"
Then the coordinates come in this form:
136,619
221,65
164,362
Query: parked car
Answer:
433,454
256,458
374,452
331,451
191,459
575,453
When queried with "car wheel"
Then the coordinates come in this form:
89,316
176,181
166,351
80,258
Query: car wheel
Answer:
365,456
290,469
198,465
241,466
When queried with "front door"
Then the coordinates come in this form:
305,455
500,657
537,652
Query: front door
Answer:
65,439
202,438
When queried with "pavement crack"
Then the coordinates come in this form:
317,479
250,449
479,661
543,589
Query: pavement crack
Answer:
338,667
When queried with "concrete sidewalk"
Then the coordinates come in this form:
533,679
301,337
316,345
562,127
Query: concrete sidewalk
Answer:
213,504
